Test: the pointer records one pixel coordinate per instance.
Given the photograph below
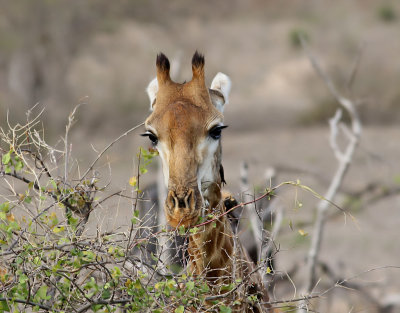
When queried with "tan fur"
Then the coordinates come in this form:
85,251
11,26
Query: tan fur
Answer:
182,116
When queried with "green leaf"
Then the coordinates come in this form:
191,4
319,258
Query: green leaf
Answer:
194,230
190,285
72,221
57,229
23,278
182,230
18,165
42,293
53,183
133,181
180,309
4,307
135,218
5,207
106,294
7,169
227,287
6,158
224,309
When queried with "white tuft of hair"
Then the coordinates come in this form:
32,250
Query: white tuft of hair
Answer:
151,90
222,83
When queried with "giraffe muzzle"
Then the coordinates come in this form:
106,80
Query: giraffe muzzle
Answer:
180,207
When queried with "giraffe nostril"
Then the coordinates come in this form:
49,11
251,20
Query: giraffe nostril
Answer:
189,198
181,203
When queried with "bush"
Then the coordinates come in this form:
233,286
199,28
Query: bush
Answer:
51,261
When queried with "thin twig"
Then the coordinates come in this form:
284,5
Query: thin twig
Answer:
344,159
108,147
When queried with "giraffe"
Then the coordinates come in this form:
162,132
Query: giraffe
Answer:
185,126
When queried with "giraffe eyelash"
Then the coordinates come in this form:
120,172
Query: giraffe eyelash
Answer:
153,138
215,132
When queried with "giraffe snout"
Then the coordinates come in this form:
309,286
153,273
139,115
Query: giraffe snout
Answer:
180,207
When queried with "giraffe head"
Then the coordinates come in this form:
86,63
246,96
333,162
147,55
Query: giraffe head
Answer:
185,127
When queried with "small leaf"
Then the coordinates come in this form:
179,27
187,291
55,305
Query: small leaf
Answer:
57,229
224,309
190,285
18,166
135,218
42,292
159,285
182,230
7,169
6,158
269,270
23,278
5,207
291,225
53,183
194,230
302,232
133,181
106,294
4,307
180,309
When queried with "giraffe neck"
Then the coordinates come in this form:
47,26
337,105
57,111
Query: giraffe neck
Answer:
214,255
211,250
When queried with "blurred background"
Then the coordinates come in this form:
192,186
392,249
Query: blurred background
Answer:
101,54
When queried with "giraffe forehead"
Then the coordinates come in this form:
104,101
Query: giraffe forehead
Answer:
182,119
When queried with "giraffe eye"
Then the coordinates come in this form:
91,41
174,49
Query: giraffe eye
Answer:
215,132
153,138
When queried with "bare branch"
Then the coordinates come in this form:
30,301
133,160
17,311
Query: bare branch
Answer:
344,159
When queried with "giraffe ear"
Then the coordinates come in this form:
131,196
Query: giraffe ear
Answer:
151,90
219,92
